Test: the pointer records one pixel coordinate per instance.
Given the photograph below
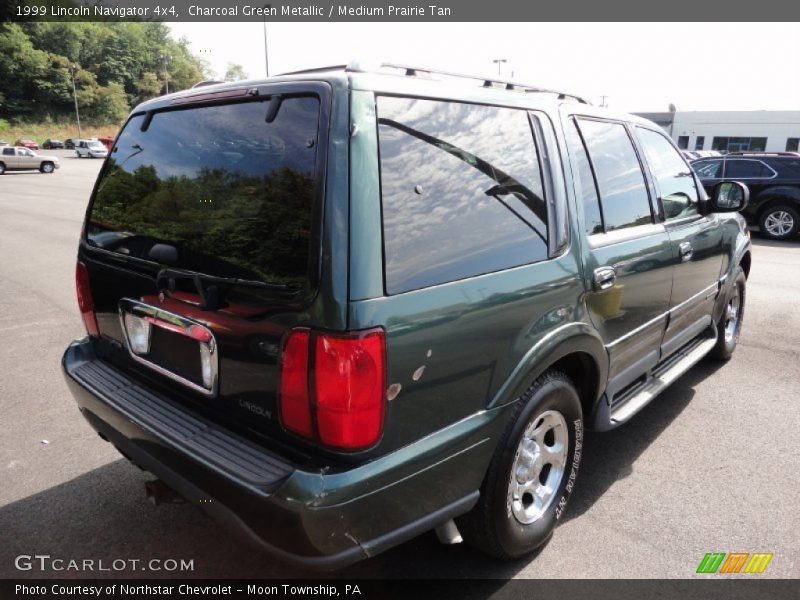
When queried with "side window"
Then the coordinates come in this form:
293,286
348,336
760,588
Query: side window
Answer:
674,179
587,192
623,193
708,169
8,151
461,189
747,169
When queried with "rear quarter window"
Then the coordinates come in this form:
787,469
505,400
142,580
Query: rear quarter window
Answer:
462,191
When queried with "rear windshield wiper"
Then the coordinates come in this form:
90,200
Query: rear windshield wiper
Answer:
212,288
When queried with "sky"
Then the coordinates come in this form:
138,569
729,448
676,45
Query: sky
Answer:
636,66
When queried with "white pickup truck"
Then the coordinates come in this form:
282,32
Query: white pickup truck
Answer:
16,158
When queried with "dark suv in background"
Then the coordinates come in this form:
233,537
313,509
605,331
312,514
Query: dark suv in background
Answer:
774,182
339,308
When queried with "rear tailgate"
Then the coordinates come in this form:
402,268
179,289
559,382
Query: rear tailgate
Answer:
202,246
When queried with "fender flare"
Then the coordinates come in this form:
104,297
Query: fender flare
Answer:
560,342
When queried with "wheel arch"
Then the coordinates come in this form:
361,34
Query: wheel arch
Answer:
576,350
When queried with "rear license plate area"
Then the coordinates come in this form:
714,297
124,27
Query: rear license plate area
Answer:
176,353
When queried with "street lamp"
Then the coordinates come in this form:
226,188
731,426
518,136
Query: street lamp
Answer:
267,8
164,59
498,62
75,96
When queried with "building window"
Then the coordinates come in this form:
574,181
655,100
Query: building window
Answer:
739,144
792,144
683,142
700,142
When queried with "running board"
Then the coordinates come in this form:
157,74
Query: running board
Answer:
630,400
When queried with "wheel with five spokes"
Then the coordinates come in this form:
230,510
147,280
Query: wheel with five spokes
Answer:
779,222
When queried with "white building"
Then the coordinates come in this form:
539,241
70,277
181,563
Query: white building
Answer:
728,131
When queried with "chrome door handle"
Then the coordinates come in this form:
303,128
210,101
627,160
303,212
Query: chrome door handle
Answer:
604,278
686,251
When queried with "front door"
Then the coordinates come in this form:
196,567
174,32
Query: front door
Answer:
628,255
695,239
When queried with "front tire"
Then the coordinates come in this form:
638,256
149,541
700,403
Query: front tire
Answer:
2,169
47,167
729,325
532,473
779,222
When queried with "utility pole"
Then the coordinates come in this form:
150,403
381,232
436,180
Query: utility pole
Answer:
75,96
267,8
164,59
498,62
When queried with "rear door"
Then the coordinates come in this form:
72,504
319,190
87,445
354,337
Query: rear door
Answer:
629,259
10,158
203,246
695,240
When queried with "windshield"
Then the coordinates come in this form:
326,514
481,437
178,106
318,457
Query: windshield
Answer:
216,190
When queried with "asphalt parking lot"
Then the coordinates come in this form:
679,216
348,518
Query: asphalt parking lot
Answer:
710,466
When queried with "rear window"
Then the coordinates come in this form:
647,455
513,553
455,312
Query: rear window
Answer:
214,189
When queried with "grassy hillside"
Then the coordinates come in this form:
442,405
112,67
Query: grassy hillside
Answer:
38,132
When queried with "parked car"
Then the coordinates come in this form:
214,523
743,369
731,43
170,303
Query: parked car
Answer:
90,149
107,142
3,143
17,158
51,144
690,154
399,309
29,144
774,182
69,144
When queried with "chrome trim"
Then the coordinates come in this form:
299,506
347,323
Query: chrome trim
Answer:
616,236
708,292
642,327
140,309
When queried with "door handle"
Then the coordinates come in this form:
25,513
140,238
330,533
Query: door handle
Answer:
686,251
604,278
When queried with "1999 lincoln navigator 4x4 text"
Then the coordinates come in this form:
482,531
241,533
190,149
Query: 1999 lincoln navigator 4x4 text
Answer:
339,308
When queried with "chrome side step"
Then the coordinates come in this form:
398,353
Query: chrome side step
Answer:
662,377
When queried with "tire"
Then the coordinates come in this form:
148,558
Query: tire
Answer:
506,524
2,169
729,325
779,222
47,167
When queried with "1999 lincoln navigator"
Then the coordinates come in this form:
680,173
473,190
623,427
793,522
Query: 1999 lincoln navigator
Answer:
339,308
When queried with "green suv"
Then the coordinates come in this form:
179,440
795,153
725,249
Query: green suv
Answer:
339,308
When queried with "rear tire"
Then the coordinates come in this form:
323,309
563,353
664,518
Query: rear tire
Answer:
532,473
779,222
729,325
47,167
2,169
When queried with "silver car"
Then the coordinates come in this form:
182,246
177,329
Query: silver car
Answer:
17,158
90,148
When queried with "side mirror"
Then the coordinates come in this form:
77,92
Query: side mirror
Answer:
729,196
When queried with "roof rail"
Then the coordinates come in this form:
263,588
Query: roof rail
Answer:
411,71
763,153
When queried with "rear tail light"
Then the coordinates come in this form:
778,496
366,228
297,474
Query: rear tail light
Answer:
332,388
85,303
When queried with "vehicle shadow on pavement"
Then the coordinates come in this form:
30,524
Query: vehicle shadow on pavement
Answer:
609,456
103,515
758,240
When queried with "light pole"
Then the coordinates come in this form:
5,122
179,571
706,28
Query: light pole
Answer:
75,96
267,8
164,59
498,62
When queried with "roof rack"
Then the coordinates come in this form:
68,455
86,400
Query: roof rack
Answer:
411,71
762,153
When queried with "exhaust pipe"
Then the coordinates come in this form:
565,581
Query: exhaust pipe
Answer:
448,533
159,492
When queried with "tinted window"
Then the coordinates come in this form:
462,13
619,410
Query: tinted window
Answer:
708,169
747,169
8,151
674,179
792,144
462,191
699,142
223,191
584,181
623,194
683,142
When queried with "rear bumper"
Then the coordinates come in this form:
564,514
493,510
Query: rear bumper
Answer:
320,520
